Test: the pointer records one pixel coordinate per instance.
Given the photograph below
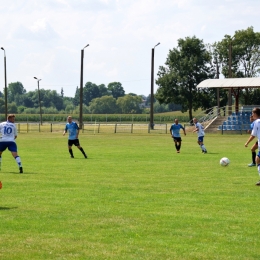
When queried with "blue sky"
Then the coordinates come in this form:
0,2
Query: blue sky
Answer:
44,38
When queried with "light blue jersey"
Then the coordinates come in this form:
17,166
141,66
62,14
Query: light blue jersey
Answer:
252,126
175,130
73,130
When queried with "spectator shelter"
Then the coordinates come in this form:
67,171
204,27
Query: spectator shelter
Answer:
235,85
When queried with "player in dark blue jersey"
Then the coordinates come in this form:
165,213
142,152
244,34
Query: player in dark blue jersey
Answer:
73,129
175,134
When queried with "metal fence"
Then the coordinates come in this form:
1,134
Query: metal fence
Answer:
95,128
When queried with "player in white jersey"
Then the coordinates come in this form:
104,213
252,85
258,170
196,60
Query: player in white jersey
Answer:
255,145
256,133
9,134
200,131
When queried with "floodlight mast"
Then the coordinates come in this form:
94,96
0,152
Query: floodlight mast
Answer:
39,99
2,48
81,90
152,89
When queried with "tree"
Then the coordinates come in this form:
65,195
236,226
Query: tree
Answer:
116,89
148,100
90,91
186,66
103,90
159,108
2,105
129,104
103,105
62,92
12,108
76,97
30,99
15,91
245,46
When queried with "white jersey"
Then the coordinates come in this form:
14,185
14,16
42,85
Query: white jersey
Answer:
256,130
200,128
8,132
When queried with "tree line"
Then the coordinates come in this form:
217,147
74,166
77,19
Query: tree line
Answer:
191,62
97,99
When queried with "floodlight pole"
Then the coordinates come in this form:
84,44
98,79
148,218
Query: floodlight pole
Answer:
39,98
217,76
5,83
81,90
230,76
152,89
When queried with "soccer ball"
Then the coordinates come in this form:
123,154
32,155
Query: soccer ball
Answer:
224,161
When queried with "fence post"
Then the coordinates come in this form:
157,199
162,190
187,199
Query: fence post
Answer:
98,127
115,127
39,127
51,127
132,128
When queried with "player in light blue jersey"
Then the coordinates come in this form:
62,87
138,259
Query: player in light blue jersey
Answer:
200,131
73,129
175,134
7,140
256,133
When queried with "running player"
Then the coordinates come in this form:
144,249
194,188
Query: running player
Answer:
255,145
175,134
200,131
9,134
73,129
256,133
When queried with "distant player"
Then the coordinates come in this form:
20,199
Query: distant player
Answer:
175,134
255,145
9,134
200,131
73,129
256,133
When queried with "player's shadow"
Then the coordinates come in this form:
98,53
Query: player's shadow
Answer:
7,208
18,173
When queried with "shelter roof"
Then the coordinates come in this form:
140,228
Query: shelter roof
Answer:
230,83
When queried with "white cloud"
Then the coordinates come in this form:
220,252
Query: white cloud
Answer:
44,38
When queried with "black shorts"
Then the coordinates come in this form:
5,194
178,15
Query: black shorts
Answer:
177,139
75,142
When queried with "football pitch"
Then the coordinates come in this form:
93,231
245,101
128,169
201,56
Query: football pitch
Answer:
133,198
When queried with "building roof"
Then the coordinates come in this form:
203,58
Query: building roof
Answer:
230,83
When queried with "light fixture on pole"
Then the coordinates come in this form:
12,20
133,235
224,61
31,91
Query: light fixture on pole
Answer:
81,89
5,84
39,99
152,89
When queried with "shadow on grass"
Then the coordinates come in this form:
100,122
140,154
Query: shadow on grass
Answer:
7,208
75,158
18,173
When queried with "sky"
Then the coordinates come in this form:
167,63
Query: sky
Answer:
44,38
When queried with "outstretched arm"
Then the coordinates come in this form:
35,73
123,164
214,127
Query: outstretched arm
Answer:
249,140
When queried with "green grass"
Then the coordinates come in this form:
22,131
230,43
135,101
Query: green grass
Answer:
133,198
